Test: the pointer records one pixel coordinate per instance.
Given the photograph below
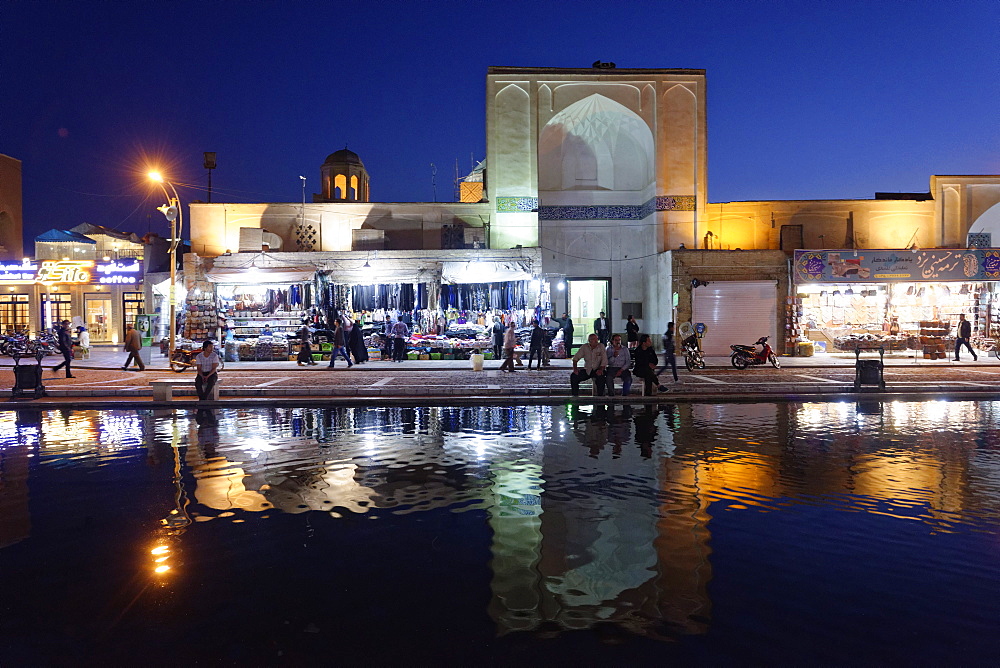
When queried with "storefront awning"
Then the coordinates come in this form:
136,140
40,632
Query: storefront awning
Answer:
483,272
283,275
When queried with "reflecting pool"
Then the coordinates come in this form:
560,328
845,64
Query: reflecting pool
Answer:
707,533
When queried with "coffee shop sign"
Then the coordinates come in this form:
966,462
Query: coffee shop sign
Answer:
61,272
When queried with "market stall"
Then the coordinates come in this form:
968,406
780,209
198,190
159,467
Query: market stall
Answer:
904,301
257,313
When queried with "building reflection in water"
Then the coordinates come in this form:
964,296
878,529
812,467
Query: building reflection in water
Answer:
598,513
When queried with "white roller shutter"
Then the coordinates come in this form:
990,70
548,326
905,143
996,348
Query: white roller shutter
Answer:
736,312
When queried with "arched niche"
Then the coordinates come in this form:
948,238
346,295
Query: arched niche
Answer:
595,144
989,222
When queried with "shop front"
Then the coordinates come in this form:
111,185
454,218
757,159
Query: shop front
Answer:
257,303
256,313
102,296
907,302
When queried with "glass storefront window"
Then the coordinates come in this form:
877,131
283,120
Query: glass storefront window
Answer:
14,313
56,308
133,304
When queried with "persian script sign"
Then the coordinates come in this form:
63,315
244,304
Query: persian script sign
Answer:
884,266
56,272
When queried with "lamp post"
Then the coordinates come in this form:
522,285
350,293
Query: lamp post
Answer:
172,211
209,165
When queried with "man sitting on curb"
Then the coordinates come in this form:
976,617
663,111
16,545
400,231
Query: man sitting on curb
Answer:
207,364
595,361
619,360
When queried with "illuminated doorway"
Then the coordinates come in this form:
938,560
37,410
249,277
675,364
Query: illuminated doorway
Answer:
586,298
98,312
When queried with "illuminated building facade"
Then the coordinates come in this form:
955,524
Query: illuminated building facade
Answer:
604,171
93,279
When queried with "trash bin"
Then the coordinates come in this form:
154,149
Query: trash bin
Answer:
869,372
27,379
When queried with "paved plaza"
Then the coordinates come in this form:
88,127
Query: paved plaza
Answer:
99,379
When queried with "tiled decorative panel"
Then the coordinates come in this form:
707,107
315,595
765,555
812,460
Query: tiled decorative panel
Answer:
597,212
675,202
616,211
516,204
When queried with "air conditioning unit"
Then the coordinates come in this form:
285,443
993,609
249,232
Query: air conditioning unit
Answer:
253,239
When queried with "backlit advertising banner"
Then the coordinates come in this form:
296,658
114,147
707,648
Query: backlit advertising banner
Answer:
65,272
891,266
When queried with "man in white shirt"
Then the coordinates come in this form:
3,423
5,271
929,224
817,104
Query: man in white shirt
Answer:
619,360
207,365
595,361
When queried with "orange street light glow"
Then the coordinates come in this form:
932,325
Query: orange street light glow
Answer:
156,176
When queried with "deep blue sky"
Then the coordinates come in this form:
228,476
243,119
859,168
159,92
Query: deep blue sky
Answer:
806,100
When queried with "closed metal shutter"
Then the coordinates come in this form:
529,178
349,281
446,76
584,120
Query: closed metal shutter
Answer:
736,312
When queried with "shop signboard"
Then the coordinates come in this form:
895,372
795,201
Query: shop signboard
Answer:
63,272
127,272
21,272
892,266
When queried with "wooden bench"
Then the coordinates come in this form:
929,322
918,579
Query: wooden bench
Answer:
163,388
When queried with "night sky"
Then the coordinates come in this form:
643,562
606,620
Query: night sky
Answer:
806,100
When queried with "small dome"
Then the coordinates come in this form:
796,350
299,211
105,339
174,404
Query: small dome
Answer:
343,156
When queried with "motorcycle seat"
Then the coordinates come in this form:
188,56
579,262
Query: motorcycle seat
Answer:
748,349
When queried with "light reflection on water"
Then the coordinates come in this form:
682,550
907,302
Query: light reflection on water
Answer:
659,521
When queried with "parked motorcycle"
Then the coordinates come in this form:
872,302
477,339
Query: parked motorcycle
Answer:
744,356
184,359
693,357
15,343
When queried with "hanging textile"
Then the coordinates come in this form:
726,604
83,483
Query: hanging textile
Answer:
484,296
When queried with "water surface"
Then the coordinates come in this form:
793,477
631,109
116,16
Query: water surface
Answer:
773,532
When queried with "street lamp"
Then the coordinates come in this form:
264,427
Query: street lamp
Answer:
172,211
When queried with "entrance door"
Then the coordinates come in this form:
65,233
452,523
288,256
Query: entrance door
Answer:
98,311
587,298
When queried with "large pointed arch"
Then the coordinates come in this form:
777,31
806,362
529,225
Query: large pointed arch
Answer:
989,222
595,144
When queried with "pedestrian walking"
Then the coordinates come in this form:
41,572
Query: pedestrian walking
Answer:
535,344
632,332
207,365
964,333
400,333
356,342
645,365
595,361
669,356
305,345
65,345
619,360
567,328
509,344
498,331
133,344
338,344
